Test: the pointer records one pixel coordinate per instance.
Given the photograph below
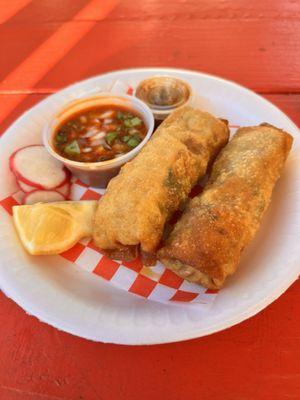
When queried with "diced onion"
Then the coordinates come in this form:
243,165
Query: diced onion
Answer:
90,133
97,142
107,114
99,135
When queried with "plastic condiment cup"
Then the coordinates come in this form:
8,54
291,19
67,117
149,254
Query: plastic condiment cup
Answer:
97,174
164,94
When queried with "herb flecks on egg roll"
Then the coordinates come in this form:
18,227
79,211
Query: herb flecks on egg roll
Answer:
206,243
131,215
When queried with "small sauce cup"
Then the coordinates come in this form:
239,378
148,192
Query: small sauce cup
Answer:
164,94
98,174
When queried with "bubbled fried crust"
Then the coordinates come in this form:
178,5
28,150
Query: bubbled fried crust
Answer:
151,187
225,217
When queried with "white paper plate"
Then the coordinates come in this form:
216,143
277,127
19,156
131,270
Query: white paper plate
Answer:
84,305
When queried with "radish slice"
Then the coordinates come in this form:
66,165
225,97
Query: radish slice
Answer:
35,167
42,196
64,190
26,188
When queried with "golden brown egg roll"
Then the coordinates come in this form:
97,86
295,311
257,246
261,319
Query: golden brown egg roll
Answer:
133,211
206,243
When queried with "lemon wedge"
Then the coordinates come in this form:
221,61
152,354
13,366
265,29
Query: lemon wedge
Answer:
51,228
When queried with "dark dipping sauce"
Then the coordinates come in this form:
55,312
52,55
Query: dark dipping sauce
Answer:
99,134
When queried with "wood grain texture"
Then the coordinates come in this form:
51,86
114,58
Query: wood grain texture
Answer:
26,23
258,61
8,10
202,9
256,360
59,11
53,49
288,103
203,35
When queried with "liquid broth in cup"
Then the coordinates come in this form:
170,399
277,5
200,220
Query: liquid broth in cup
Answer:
95,136
100,133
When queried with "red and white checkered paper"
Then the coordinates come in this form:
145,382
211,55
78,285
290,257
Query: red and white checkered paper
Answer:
154,283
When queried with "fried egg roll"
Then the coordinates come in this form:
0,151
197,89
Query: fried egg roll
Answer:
206,243
133,211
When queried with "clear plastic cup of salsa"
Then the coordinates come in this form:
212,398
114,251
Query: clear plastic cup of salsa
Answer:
94,136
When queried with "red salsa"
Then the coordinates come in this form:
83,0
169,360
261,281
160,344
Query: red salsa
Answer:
99,133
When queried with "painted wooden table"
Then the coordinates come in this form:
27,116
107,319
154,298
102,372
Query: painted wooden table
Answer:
47,44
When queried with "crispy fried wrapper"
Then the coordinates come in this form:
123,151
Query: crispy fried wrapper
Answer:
207,241
131,215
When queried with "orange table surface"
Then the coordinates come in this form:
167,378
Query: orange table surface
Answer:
48,44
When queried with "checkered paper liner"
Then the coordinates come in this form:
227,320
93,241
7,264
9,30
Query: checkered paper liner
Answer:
154,283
